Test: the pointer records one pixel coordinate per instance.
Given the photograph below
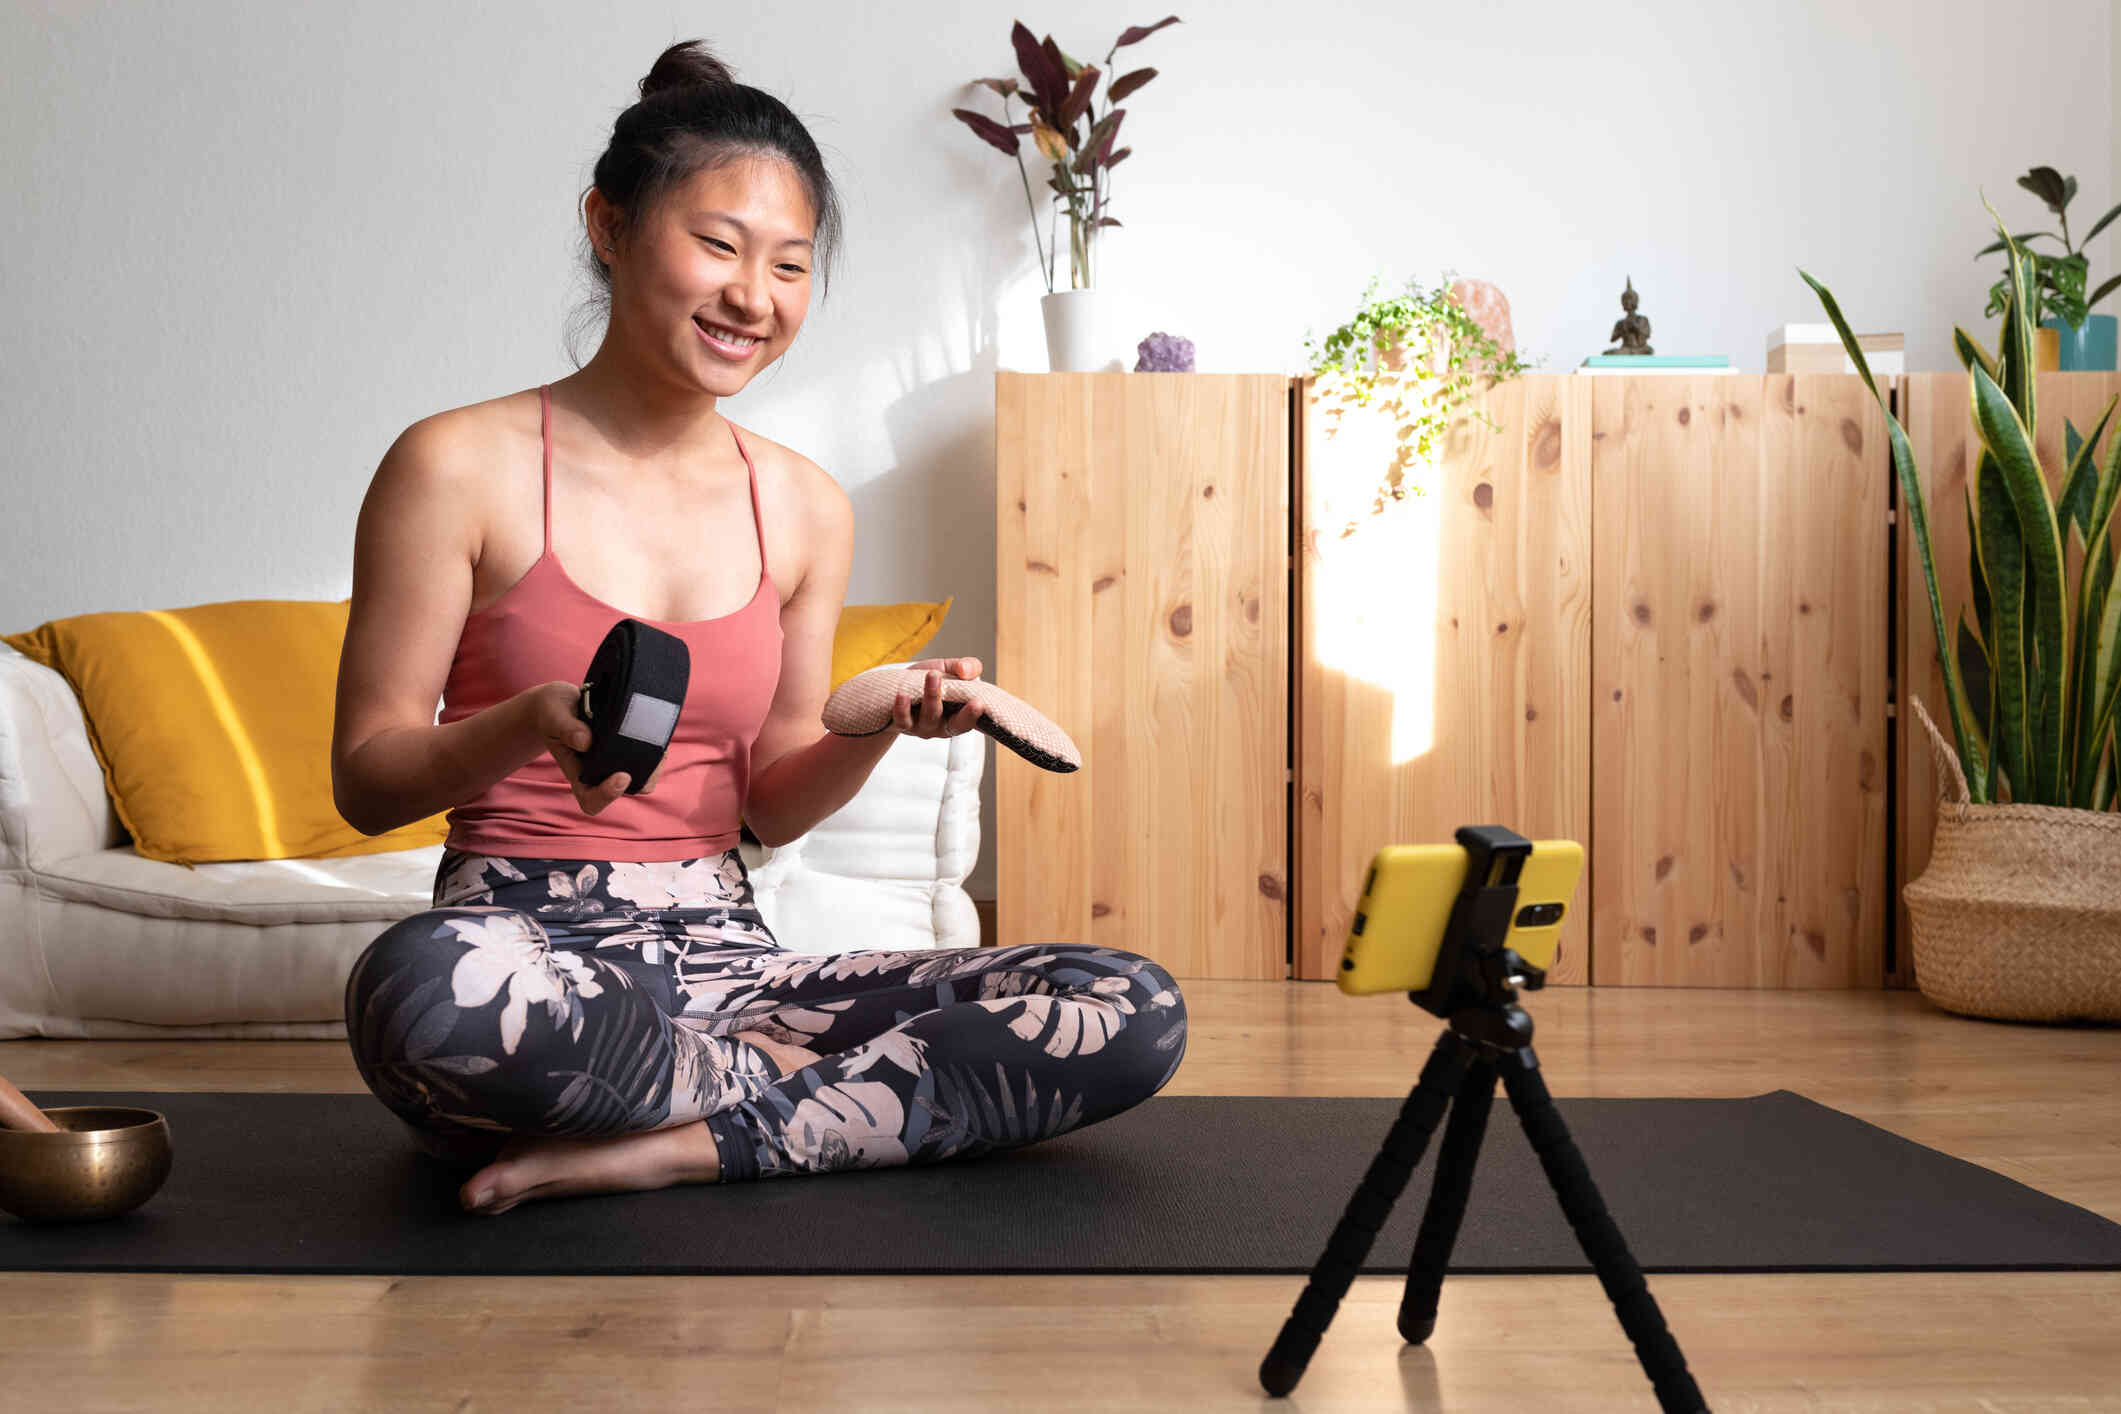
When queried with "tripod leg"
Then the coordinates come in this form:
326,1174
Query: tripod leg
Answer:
1467,1126
1366,1213
1599,1236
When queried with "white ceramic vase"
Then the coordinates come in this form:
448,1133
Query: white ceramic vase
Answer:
1083,333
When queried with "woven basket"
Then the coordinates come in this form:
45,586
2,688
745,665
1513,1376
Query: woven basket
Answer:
2018,916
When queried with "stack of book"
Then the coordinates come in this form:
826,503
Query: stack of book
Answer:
1690,365
1816,348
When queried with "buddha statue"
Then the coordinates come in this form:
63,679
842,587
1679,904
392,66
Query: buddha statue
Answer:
1633,332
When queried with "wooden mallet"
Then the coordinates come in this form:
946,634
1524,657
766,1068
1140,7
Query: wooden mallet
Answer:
16,1111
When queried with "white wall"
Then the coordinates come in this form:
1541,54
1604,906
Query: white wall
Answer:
247,243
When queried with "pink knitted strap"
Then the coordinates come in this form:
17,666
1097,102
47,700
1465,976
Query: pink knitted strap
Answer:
862,707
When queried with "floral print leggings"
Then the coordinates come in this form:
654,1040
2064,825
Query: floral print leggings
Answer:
574,997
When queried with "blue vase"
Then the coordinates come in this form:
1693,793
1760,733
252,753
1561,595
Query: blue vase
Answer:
2086,350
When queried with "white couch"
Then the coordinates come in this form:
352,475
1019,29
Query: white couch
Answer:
96,941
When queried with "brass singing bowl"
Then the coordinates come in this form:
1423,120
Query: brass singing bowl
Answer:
107,1160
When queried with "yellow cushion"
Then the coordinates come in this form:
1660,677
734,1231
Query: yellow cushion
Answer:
871,635
213,727
213,724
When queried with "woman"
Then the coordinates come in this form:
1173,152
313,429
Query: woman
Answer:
594,1002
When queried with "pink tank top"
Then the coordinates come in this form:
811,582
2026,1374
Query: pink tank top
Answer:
546,628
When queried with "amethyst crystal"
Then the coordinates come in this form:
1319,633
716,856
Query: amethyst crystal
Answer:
1164,353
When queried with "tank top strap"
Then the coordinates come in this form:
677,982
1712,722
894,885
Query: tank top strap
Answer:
758,521
545,436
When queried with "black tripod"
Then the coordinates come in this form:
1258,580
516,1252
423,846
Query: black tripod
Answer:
1472,988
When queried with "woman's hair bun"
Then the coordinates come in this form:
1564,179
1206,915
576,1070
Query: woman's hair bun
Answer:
686,65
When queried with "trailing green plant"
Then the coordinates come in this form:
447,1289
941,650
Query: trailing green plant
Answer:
1435,334
2060,279
2032,683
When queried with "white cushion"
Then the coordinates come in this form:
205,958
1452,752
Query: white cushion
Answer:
52,800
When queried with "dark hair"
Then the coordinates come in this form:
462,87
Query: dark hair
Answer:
695,117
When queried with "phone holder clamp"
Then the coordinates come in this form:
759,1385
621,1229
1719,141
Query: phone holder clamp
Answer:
1471,985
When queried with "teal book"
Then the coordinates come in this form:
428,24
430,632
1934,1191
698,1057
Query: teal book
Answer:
1657,361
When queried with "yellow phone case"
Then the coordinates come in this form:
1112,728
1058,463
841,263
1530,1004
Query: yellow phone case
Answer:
1406,904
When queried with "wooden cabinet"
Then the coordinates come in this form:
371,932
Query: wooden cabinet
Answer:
1142,602
1444,664
1649,614
1658,609
1741,596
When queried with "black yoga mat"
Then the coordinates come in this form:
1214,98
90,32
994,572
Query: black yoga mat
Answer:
332,1183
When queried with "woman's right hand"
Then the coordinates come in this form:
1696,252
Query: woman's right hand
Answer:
565,736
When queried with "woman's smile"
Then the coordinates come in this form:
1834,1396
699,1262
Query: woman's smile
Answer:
734,352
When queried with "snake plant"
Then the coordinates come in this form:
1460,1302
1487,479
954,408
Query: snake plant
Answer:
2033,680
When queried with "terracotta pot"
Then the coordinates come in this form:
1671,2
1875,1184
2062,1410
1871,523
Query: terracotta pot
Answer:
2047,351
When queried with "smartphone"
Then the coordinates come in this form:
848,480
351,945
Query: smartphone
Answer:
1406,905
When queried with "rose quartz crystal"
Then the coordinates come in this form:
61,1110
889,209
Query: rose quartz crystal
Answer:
1490,310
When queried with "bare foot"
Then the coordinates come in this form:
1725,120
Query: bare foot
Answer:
531,1166
788,1058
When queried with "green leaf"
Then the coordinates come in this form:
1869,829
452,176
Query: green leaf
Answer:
1863,367
2068,272
2101,224
1982,616
1973,668
2107,674
2094,599
1970,751
1971,353
2073,511
2062,280
1999,563
2010,443
2021,239
1977,687
2016,360
2008,355
2107,494
1984,621
2081,480
2102,292
1990,791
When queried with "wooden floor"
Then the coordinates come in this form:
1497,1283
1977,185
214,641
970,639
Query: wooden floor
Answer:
2040,1105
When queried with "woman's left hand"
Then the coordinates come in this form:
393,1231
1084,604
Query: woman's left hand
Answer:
925,718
